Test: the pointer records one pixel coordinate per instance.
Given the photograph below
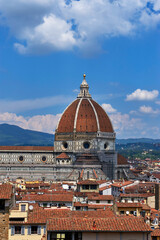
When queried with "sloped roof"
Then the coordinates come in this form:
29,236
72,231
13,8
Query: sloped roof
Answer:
5,191
26,148
113,224
121,160
63,156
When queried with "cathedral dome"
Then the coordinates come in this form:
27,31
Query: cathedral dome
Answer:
84,115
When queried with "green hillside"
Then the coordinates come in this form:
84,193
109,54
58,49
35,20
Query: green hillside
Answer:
11,135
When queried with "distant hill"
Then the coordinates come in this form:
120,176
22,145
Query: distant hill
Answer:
137,140
11,135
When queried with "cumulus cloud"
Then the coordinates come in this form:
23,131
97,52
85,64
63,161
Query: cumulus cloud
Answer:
31,104
148,110
42,26
43,123
158,102
125,126
142,95
108,108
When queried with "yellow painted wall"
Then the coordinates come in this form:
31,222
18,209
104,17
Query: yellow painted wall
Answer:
26,236
151,201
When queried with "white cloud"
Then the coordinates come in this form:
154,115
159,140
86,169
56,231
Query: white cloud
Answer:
125,126
108,108
142,95
43,123
51,25
158,102
31,104
53,34
148,110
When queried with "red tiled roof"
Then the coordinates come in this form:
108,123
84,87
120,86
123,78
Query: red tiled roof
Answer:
121,160
121,184
101,197
86,118
97,206
27,148
156,175
85,194
79,204
37,185
145,207
40,215
134,205
104,121
114,224
63,156
137,195
5,191
68,197
56,186
88,182
155,233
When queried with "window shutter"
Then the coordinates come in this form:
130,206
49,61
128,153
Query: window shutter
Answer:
29,230
22,230
44,229
12,230
39,230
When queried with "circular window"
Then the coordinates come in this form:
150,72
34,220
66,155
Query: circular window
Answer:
86,145
64,145
44,158
106,145
21,158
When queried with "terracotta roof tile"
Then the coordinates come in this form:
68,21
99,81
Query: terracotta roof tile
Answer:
86,120
101,197
63,156
121,160
66,123
126,205
5,191
104,121
137,195
121,184
88,182
27,148
68,197
114,224
156,233
40,215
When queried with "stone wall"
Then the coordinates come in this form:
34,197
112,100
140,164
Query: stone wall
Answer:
4,224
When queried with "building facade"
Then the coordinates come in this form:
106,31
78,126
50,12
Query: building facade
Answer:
84,147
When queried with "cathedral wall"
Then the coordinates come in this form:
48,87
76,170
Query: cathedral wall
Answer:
26,158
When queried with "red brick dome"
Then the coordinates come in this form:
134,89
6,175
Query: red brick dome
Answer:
84,115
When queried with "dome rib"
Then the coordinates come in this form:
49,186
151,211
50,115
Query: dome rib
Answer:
75,120
86,119
66,122
84,115
104,121
95,115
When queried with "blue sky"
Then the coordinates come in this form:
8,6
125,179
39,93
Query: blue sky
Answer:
46,46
